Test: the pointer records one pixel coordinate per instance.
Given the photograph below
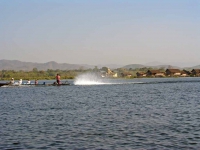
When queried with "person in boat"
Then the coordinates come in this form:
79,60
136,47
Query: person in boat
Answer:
58,79
20,82
28,82
12,81
36,81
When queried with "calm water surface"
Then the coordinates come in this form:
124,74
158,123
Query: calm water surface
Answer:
121,114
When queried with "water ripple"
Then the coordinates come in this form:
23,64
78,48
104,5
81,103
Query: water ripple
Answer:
105,117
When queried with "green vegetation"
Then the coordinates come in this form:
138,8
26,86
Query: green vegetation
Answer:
41,74
69,74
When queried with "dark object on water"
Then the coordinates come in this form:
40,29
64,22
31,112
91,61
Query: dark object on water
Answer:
2,84
46,84
62,84
43,84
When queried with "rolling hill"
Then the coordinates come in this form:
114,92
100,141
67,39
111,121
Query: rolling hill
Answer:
27,66
135,66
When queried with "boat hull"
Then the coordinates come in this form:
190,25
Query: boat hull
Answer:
35,85
2,84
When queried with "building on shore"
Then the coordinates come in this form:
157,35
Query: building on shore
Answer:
185,73
141,74
126,75
107,72
169,73
173,72
114,75
155,73
195,72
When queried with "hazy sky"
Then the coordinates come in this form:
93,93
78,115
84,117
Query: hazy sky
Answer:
100,31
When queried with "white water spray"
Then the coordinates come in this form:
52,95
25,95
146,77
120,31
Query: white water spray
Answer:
89,79
96,79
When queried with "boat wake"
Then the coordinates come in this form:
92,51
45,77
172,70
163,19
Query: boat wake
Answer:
95,79
89,79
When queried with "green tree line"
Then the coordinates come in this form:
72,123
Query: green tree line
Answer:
65,74
39,74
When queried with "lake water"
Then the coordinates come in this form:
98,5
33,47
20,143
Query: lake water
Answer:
141,114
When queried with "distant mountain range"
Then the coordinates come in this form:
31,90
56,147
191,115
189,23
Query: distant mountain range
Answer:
27,66
190,68
134,66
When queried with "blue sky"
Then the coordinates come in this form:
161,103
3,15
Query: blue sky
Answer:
100,31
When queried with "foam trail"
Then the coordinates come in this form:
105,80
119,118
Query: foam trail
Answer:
96,79
89,79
